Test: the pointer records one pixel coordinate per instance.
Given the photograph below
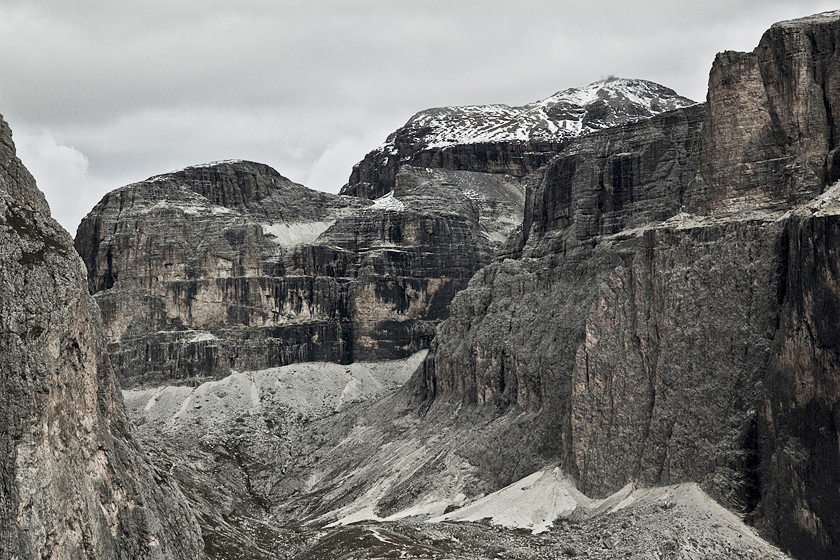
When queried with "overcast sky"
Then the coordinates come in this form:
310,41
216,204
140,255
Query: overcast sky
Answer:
104,93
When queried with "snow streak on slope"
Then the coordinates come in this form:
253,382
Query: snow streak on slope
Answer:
534,503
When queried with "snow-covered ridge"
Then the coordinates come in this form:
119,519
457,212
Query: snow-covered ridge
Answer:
564,115
208,165
215,163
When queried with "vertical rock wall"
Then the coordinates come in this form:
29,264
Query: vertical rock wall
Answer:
800,411
231,266
770,135
73,484
671,308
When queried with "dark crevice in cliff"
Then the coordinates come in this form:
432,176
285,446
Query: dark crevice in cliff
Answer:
752,468
782,268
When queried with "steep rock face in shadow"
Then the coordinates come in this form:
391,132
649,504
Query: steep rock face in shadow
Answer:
688,334
800,411
73,483
413,251
231,266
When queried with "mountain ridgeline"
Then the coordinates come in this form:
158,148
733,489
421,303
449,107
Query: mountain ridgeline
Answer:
502,139
625,301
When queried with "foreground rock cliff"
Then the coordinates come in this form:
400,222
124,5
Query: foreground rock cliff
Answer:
73,483
693,281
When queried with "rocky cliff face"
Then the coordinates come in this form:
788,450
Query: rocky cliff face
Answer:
798,416
185,269
664,314
231,266
771,135
691,280
73,483
507,140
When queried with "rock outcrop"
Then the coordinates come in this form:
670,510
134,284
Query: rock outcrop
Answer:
692,284
771,133
232,266
73,482
509,140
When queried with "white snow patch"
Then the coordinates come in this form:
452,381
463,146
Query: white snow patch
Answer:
168,176
367,513
472,124
214,163
380,538
473,194
202,336
295,233
389,202
534,502
186,208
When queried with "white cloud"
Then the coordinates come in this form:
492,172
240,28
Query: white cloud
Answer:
62,173
120,91
332,168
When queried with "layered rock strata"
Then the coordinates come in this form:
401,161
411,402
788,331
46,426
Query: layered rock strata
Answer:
181,261
692,286
73,483
507,140
231,266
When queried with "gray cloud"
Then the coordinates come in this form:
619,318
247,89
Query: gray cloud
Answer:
102,93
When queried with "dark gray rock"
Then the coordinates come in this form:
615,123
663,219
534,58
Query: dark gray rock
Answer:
612,181
672,346
799,416
73,483
664,314
508,140
231,266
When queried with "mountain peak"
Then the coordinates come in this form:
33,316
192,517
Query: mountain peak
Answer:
526,135
564,115
640,92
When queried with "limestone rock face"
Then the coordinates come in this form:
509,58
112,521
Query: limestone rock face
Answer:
770,134
800,411
507,140
670,300
73,483
210,253
586,193
231,266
